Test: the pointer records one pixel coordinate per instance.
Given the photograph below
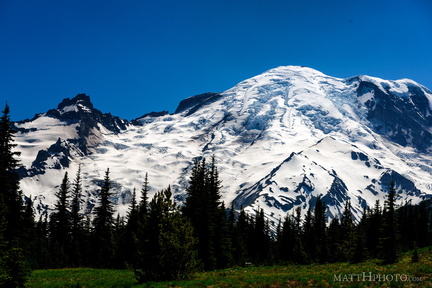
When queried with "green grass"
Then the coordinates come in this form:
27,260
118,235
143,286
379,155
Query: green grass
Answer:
275,276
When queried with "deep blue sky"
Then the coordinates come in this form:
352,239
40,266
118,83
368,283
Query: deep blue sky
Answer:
134,57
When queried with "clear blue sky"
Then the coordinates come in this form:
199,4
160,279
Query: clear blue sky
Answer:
134,57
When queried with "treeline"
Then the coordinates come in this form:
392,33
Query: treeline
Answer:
160,240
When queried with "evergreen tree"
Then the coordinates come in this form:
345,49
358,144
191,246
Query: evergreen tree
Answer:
290,246
143,204
320,233
103,223
309,237
335,237
10,194
121,252
390,237
77,236
223,244
261,243
43,253
286,239
423,234
142,230
373,229
205,210
360,252
299,255
240,239
348,233
29,234
170,254
131,241
13,267
60,225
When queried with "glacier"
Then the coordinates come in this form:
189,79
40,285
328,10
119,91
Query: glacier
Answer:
281,139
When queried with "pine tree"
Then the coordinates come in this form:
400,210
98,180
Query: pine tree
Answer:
223,244
13,267
60,225
285,240
10,194
240,238
43,253
423,235
29,234
143,204
170,254
121,252
308,237
204,208
299,255
348,233
77,239
320,233
142,230
261,240
103,224
360,252
131,240
390,237
373,229
335,237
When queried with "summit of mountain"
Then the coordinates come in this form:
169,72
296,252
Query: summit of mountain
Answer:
281,139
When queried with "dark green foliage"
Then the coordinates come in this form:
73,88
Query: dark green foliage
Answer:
143,204
103,245
360,252
77,231
239,237
207,214
130,241
415,257
348,234
14,269
373,228
41,244
161,242
10,194
29,234
260,240
60,226
390,237
320,231
16,223
170,253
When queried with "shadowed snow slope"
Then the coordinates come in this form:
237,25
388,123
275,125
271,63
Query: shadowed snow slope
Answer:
281,139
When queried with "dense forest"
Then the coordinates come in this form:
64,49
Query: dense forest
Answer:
160,240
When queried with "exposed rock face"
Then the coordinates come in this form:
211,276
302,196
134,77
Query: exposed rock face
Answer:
403,115
192,104
281,139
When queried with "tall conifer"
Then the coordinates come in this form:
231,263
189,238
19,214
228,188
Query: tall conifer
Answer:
77,235
60,225
13,267
170,254
390,237
103,224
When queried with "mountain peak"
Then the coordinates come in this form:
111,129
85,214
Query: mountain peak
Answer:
80,102
294,69
282,139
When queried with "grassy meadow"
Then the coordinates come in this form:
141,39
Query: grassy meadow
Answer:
405,273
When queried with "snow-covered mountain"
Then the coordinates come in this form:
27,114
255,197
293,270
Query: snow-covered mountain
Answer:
281,139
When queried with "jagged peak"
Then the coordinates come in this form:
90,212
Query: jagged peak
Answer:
81,100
